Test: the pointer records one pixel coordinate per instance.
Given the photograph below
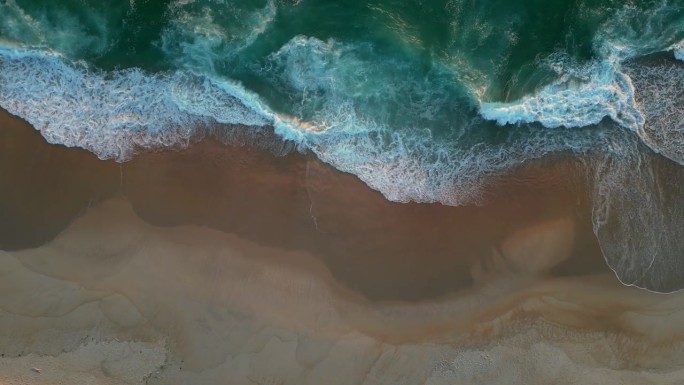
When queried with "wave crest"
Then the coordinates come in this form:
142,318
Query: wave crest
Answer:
113,114
581,96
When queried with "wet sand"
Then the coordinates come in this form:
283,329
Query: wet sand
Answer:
224,264
292,202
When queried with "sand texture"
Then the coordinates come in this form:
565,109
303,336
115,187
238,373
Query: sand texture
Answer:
221,264
113,299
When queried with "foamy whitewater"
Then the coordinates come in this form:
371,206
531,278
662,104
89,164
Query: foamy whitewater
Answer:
417,115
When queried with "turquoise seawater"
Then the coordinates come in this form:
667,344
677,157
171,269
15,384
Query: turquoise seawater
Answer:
422,100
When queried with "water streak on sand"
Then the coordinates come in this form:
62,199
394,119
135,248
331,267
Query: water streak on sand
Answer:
235,308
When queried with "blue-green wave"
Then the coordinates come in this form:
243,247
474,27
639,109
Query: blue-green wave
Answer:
422,100
391,85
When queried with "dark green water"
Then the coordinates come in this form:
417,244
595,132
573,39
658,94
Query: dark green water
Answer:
422,100
421,65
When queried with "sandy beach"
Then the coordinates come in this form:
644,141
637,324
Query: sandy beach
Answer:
228,264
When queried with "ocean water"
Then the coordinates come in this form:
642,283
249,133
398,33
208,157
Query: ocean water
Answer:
422,100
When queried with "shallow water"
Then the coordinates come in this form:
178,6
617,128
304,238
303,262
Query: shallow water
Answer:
297,203
277,192
200,267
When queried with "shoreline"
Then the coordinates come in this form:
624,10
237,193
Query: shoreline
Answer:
221,263
293,202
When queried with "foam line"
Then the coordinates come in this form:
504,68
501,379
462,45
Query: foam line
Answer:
582,96
113,114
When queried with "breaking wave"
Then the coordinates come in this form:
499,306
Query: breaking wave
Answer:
416,119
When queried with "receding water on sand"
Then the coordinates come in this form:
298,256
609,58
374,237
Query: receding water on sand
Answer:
220,308
360,192
298,203
205,266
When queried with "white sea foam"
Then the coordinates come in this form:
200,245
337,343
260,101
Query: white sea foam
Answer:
372,118
348,104
410,167
678,50
638,215
113,114
659,94
333,88
584,94
645,98
117,113
581,96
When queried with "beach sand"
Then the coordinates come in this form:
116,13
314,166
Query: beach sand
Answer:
293,202
223,264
